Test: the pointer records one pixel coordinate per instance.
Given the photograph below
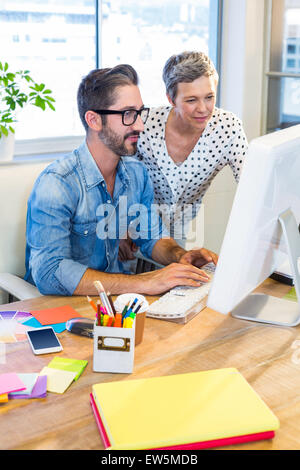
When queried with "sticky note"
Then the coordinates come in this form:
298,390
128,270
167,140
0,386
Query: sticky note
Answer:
29,381
50,316
3,398
58,380
65,363
39,389
57,327
10,382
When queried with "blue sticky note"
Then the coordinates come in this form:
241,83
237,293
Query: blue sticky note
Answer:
57,327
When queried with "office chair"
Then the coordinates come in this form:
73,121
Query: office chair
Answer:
16,182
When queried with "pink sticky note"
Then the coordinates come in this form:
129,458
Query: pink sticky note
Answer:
49,316
10,382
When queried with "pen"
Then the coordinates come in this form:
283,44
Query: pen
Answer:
133,303
138,307
111,303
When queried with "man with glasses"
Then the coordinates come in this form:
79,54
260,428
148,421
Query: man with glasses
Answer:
83,204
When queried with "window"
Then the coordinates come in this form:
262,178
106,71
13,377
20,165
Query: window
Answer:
283,65
150,31
60,41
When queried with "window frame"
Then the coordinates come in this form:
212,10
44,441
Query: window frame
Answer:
268,72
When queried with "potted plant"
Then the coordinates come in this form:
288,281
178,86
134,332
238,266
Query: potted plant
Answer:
18,89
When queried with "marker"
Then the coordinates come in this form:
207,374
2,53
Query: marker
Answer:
91,303
98,314
118,320
130,309
128,322
132,315
125,309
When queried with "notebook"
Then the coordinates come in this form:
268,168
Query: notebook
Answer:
184,411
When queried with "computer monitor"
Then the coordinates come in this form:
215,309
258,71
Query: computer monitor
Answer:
262,232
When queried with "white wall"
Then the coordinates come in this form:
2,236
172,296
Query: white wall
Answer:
241,85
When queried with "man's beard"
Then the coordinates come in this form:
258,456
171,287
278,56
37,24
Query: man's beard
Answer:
116,143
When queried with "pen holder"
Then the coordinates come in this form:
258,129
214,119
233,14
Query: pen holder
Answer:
139,327
113,349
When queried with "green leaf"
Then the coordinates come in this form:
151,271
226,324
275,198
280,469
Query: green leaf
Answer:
4,130
49,98
10,76
40,103
50,106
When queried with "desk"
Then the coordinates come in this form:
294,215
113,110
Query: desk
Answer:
264,354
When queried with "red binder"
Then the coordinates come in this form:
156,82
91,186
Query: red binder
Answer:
192,446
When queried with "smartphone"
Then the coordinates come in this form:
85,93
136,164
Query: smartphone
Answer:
43,340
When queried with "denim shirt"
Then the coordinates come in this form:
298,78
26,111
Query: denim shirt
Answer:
73,223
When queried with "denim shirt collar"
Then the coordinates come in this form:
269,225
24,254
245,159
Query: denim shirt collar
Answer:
91,173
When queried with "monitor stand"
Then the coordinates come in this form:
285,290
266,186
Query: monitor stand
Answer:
273,310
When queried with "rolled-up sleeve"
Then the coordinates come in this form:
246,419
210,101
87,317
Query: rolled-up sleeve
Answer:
50,209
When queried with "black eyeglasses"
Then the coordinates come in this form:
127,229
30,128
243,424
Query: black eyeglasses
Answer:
129,116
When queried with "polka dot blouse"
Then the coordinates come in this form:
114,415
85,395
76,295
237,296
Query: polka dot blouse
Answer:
222,143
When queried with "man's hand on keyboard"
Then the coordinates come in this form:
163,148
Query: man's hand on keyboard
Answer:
175,274
199,257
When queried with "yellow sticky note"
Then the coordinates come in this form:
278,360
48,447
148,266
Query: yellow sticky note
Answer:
58,380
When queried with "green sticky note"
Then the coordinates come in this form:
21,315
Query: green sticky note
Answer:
72,365
291,295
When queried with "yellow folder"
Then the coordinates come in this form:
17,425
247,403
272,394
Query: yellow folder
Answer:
181,409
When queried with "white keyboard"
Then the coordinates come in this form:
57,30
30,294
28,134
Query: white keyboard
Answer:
183,302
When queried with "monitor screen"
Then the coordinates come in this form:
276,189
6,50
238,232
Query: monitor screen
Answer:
254,245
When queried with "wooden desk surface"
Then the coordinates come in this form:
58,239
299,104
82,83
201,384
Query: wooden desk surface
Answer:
264,354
